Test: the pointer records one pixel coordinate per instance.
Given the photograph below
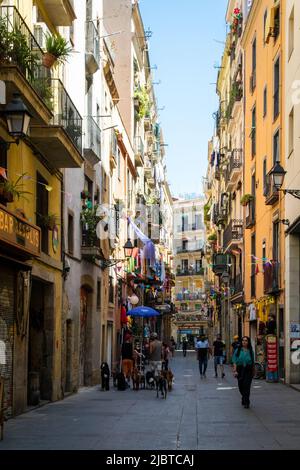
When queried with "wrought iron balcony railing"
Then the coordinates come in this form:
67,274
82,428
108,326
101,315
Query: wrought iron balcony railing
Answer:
233,232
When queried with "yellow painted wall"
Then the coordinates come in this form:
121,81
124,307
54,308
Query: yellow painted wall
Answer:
265,128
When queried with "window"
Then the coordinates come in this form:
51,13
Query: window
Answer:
42,210
3,154
253,133
253,76
254,56
264,254
198,265
265,184
185,244
185,265
276,87
276,148
265,23
276,21
184,223
98,294
111,290
265,101
291,33
70,234
291,132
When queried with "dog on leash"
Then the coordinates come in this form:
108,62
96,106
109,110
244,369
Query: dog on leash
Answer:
105,373
168,375
136,379
161,386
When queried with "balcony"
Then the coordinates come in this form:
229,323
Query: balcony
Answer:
190,272
92,141
234,168
113,154
236,95
271,278
61,142
139,151
189,250
90,247
233,234
147,123
60,12
220,263
92,47
250,217
24,76
221,214
270,192
148,170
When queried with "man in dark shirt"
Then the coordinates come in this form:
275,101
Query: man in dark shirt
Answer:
127,359
219,348
236,343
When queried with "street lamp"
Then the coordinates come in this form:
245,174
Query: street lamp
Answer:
277,174
128,249
17,117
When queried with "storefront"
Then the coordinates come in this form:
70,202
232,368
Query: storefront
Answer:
19,241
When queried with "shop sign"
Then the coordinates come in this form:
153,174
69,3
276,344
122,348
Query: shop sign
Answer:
272,357
294,330
17,232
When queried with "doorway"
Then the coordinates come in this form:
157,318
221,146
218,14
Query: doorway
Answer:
40,344
85,340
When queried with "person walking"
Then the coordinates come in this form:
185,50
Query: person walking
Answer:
127,358
166,356
155,357
218,351
184,347
173,345
202,348
234,345
243,369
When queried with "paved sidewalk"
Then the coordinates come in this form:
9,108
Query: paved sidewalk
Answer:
198,414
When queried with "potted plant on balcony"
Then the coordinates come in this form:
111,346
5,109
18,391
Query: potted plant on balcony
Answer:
141,102
10,191
246,199
14,49
57,51
48,221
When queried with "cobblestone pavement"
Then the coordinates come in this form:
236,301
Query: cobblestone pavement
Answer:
197,414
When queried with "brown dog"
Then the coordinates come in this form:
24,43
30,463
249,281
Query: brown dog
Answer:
168,375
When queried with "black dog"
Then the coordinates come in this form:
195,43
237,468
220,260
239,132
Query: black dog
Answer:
150,379
105,373
161,386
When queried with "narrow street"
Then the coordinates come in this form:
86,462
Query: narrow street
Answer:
198,414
